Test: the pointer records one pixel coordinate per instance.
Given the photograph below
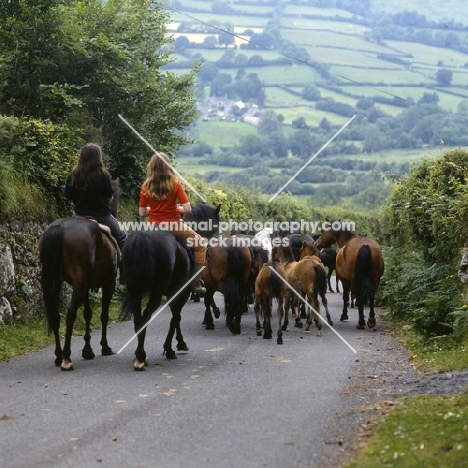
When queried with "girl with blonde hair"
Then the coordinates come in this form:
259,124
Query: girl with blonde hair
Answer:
163,200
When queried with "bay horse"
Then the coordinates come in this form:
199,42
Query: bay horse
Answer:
228,269
359,266
156,264
77,251
268,285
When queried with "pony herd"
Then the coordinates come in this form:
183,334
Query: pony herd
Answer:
155,265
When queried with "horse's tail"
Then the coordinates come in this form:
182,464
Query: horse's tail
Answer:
276,282
234,286
365,287
320,284
139,259
51,258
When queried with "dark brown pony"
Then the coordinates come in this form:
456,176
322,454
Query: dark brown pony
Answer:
228,268
359,266
77,251
156,264
269,285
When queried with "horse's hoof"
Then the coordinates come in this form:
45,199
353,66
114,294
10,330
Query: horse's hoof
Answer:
88,354
66,365
371,322
182,346
234,328
284,327
107,351
298,324
216,312
210,326
204,322
361,327
343,318
279,340
170,354
330,322
319,332
58,361
267,337
259,332
140,366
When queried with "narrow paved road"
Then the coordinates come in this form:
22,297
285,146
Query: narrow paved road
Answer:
230,401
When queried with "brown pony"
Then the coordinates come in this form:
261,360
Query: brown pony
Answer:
228,268
77,251
359,266
310,250
308,278
269,285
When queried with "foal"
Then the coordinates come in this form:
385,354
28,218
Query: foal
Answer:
268,285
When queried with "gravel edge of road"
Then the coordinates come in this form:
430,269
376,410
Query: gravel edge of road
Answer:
382,375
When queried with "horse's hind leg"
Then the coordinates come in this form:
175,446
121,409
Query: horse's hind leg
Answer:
280,313
325,305
87,352
106,298
344,314
58,348
140,319
208,318
76,301
258,309
315,310
173,325
330,271
371,319
268,332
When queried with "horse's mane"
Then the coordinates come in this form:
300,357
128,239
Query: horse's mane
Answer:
202,212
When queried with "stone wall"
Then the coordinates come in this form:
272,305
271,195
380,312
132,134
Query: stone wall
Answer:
20,288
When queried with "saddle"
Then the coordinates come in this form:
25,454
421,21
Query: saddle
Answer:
107,232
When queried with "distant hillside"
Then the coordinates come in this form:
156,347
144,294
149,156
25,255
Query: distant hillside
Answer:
309,66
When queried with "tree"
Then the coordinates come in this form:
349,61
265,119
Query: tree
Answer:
181,44
268,123
311,93
225,38
84,64
444,77
300,122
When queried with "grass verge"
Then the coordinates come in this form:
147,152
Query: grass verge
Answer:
31,334
423,431
420,432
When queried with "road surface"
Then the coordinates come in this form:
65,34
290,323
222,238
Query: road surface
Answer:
230,401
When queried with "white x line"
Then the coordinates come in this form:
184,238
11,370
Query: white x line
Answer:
313,310
312,158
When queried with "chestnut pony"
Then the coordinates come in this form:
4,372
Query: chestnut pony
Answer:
359,265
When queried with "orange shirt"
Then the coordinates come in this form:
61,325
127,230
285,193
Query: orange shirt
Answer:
164,210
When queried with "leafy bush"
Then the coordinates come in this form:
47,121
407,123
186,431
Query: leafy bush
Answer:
36,158
428,209
426,222
431,301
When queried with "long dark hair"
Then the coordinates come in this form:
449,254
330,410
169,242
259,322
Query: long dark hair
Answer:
89,171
